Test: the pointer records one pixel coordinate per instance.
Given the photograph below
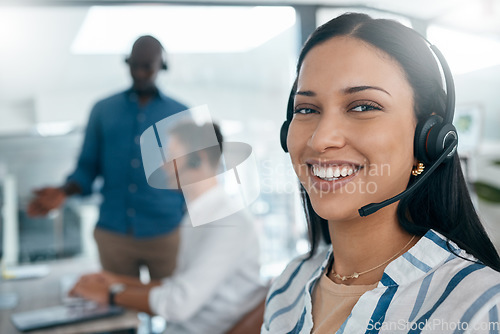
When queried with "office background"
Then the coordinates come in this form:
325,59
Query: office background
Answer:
59,57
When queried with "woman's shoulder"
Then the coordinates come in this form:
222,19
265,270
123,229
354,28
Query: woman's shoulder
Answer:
471,292
463,265
468,283
456,264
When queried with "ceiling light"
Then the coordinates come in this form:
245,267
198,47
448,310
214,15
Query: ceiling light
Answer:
181,29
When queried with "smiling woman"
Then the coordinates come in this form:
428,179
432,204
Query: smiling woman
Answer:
366,106
351,115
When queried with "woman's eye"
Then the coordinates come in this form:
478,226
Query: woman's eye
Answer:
366,107
304,111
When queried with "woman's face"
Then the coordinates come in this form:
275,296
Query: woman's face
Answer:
351,136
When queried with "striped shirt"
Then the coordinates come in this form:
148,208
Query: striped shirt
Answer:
428,289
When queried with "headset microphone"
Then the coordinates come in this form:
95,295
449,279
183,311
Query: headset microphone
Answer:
374,207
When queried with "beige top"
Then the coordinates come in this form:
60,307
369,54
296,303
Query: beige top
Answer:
332,303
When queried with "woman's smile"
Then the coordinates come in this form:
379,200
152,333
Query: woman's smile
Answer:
329,176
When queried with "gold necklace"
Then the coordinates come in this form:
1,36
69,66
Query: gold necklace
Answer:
356,275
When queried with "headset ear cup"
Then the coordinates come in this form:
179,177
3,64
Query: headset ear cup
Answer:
289,116
422,136
439,138
164,63
284,135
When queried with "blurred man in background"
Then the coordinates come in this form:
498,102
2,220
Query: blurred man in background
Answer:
138,225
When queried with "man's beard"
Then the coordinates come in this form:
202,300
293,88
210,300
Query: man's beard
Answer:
146,91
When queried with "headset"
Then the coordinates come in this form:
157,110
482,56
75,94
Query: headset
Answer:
435,140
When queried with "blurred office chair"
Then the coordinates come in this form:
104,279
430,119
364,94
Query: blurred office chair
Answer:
251,322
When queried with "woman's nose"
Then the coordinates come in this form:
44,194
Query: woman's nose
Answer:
330,132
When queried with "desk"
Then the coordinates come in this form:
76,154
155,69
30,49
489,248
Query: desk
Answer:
45,292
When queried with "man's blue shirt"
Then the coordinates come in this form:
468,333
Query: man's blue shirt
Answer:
111,149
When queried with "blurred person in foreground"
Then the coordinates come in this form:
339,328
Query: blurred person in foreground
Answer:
217,279
138,225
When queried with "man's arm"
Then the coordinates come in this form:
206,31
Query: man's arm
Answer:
71,188
127,280
50,198
96,287
80,181
135,297
89,164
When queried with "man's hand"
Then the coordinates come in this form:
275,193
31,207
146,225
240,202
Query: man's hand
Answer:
92,287
111,278
96,287
46,199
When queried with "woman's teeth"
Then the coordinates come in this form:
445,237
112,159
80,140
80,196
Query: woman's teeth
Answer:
332,173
